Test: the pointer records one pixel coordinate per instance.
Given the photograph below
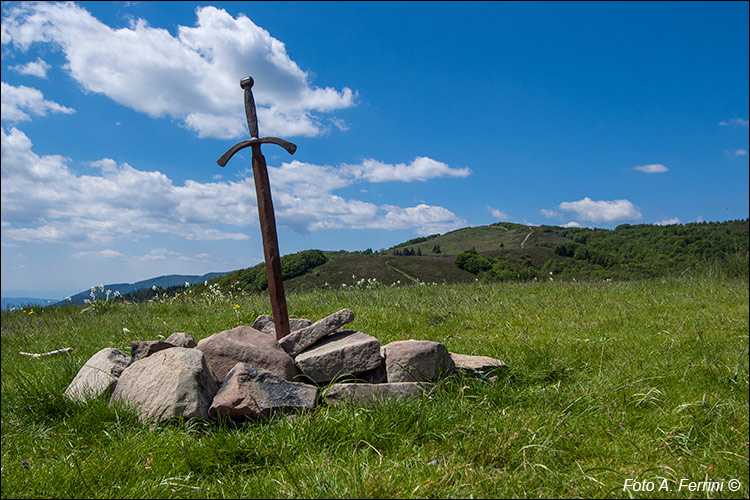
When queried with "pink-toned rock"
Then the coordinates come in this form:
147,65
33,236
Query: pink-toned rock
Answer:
299,340
264,323
98,375
243,344
416,360
343,353
181,339
252,392
140,349
366,394
469,363
169,383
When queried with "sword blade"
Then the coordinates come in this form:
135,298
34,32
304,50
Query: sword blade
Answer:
270,243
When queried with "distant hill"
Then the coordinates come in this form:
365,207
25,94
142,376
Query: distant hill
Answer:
160,282
18,302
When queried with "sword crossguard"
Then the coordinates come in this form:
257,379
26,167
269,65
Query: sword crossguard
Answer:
252,125
290,148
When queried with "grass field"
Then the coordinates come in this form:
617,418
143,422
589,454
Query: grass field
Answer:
608,384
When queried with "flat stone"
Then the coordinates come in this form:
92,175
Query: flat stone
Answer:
243,344
341,354
181,339
299,340
416,360
369,393
98,375
140,349
469,363
377,375
169,383
264,323
252,392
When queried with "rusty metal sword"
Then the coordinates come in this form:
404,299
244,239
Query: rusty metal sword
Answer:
265,207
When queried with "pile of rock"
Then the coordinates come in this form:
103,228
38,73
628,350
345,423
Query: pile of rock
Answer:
245,372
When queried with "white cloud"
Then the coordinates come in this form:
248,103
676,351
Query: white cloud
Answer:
602,211
46,201
34,68
105,254
424,219
421,169
159,254
193,77
43,200
737,122
19,102
667,222
735,152
549,213
497,214
652,168
571,224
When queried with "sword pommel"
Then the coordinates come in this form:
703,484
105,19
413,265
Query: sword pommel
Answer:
247,82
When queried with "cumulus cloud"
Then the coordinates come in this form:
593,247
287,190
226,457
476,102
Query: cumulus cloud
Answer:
421,169
18,103
602,211
735,122
549,213
652,168
667,222
34,68
43,200
192,77
497,214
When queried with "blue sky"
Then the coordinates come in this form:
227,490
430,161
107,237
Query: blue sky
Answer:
410,119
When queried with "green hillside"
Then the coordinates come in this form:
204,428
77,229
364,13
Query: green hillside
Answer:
514,252
483,238
378,270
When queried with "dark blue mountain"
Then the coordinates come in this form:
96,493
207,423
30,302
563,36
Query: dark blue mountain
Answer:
125,288
18,302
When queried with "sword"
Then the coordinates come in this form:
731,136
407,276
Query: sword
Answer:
265,207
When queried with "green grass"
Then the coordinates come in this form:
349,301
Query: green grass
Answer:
606,381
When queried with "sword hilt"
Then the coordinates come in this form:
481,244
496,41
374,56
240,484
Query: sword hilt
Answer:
252,124
250,113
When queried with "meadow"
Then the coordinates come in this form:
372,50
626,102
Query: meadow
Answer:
611,389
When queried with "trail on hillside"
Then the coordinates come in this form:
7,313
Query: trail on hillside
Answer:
389,263
527,236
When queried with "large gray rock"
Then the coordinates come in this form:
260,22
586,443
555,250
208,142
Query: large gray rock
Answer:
264,323
366,394
252,392
470,364
416,360
181,339
170,383
243,344
140,349
98,375
299,340
343,353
